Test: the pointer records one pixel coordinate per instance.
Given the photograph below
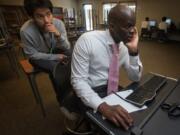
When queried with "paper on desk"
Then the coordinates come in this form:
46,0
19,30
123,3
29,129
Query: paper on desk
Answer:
115,100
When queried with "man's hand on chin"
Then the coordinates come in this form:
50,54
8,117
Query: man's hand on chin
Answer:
52,29
132,45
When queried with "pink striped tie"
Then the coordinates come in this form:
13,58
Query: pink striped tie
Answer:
113,78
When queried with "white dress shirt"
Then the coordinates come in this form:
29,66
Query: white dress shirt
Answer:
145,25
90,65
163,26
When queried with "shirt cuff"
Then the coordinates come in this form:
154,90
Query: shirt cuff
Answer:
134,60
61,38
53,57
95,102
134,53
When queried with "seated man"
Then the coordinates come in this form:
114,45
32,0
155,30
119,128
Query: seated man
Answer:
96,60
162,32
163,25
145,28
44,37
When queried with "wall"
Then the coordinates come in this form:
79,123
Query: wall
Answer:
154,9
97,9
65,3
56,3
96,4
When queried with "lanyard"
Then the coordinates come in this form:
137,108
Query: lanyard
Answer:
52,41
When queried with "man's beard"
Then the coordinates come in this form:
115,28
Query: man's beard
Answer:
118,38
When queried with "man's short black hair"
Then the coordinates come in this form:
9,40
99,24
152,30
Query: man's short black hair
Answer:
31,5
147,18
118,12
164,18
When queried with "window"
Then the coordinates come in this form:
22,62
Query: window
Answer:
88,17
131,5
107,7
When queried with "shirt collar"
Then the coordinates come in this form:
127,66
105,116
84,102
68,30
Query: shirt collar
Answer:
110,40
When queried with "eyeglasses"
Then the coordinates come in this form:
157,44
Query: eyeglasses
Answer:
172,109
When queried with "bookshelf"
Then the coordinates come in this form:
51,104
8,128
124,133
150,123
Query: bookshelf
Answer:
58,13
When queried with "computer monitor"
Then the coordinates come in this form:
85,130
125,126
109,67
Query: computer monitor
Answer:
168,21
152,23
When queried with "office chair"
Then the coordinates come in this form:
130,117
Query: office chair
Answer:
162,36
68,99
145,33
31,73
7,46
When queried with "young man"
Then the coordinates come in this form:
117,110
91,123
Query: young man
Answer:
145,28
145,24
162,30
44,37
92,59
163,25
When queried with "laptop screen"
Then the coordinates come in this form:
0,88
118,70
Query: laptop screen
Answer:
152,23
168,21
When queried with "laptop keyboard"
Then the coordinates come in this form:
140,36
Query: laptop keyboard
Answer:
146,92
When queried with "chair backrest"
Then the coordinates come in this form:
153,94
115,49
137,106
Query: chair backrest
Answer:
62,74
144,30
67,97
161,31
5,36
